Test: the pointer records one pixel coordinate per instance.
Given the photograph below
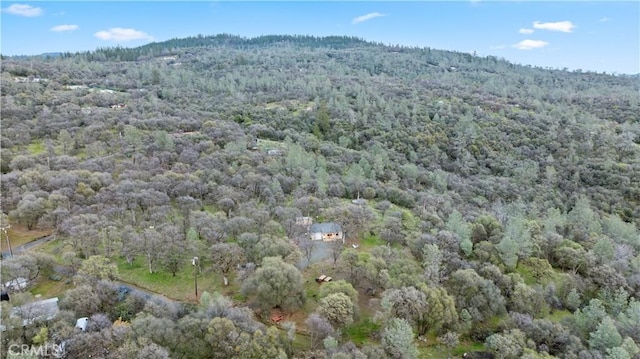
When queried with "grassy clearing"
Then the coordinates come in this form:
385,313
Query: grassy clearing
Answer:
558,315
264,145
312,288
526,275
441,351
181,287
19,234
433,351
294,106
301,342
210,209
468,347
50,288
367,243
362,331
36,148
274,106
438,351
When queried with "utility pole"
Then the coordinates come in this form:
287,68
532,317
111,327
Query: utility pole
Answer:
4,229
195,264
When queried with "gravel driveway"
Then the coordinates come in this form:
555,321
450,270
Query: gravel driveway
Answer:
321,251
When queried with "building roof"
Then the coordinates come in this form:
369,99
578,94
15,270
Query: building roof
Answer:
16,284
42,310
325,228
81,323
304,220
275,152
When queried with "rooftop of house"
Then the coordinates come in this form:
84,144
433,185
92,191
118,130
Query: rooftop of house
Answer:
325,228
41,310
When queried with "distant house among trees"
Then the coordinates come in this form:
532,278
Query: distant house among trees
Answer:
304,221
275,152
29,79
327,232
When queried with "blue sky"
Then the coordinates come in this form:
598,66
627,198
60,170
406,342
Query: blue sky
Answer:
595,36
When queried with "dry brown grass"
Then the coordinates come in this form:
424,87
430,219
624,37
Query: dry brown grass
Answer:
19,235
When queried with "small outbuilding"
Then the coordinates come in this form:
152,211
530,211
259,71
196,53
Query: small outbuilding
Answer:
275,152
304,221
324,278
81,323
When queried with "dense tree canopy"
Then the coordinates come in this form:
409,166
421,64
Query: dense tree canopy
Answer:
479,200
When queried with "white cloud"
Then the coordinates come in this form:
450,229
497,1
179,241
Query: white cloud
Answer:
526,31
62,28
562,26
369,16
23,10
530,44
120,34
604,19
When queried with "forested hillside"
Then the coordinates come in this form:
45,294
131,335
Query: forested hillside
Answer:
498,211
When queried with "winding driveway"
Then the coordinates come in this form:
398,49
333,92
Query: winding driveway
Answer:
29,245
